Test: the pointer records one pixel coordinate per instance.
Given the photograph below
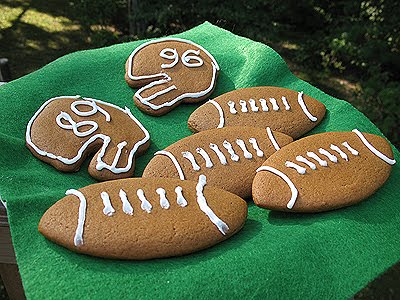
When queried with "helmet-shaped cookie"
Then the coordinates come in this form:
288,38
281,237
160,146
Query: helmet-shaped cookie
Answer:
284,110
66,129
170,71
323,172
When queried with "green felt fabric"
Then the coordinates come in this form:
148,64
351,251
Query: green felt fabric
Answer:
276,255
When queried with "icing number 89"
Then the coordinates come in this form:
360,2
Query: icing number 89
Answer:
172,54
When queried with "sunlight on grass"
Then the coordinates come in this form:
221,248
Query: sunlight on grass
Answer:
33,44
290,46
8,15
48,23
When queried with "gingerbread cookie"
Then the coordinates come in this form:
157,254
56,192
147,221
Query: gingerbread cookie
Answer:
170,71
287,111
66,129
228,157
143,218
323,172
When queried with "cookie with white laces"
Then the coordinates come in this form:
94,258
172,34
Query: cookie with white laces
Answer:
323,172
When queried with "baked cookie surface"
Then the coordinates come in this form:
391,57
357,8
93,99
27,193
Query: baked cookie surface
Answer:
67,129
284,110
143,218
323,172
169,71
228,157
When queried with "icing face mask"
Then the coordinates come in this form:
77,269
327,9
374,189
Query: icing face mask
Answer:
65,130
170,71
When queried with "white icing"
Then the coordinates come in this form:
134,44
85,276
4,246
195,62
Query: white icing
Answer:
285,102
272,139
201,200
348,147
120,146
174,161
228,146
220,155
207,158
187,58
189,156
95,109
253,142
180,200
298,168
264,105
341,153
126,206
329,155
174,57
74,126
220,111
242,146
253,105
304,107
302,159
108,210
373,149
288,182
166,78
164,203
146,206
78,238
243,105
317,158
146,100
275,106
106,139
232,108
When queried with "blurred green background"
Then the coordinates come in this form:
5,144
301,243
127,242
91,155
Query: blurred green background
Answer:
349,49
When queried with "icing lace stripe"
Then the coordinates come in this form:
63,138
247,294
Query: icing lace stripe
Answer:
348,147
174,161
373,149
292,187
202,202
272,139
189,156
126,206
304,107
304,160
78,238
145,205
220,111
298,168
340,152
330,156
108,210
180,200
164,203
322,162
206,157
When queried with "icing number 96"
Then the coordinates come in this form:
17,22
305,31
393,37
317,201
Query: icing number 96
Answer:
172,54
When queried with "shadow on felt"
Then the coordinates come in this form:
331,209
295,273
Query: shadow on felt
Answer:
376,209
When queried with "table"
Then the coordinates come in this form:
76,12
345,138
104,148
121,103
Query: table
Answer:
8,265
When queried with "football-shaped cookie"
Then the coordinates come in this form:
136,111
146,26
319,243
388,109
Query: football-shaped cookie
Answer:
287,111
170,71
228,157
139,218
66,129
323,172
